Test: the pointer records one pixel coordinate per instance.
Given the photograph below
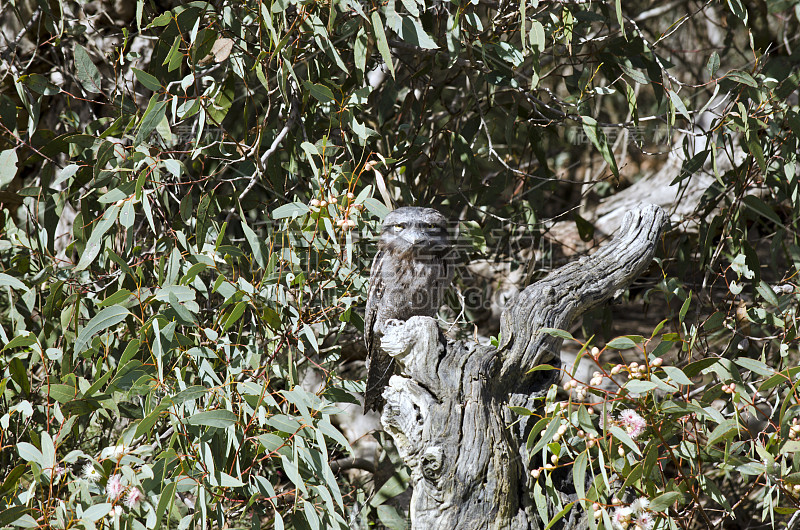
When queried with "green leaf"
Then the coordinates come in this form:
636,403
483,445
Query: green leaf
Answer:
174,57
678,103
12,514
677,375
536,35
190,394
213,418
383,44
127,216
293,209
10,281
638,386
755,366
557,517
26,338
235,315
560,333
203,220
785,376
757,205
598,139
637,75
547,437
95,242
224,480
623,437
149,81
257,245
522,411
62,393
713,64
8,167
579,474
97,512
322,93
30,453
725,429
290,468
166,499
692,369
685,307
86,71
664,501
741,77
585,228
621,343
103,320
390,518
117,298
153,115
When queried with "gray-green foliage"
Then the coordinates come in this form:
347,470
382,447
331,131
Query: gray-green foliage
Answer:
188,193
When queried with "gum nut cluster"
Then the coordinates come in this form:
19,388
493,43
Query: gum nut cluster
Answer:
730,389
794,429
577,390
344,223
560,432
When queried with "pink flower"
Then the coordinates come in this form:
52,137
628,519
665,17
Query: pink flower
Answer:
644,521
134,497
633,423
114,487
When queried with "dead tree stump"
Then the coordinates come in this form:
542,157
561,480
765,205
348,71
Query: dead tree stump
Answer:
448,410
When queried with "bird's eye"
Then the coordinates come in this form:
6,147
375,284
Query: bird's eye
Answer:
397,227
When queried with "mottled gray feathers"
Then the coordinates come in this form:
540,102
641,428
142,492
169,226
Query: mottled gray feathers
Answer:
410,273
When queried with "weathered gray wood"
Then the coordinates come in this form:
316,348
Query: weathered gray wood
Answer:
448,411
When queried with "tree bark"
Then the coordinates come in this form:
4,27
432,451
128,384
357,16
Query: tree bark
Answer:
448,409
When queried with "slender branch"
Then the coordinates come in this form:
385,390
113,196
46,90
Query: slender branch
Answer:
294,114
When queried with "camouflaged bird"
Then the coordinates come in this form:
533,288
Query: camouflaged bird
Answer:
410,274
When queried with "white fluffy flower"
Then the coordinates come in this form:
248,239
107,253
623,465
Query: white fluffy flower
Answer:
640,505
114,487
90,473
644,521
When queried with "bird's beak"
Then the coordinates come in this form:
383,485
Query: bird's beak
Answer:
413,236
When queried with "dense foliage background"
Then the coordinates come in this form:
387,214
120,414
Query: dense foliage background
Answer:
188,197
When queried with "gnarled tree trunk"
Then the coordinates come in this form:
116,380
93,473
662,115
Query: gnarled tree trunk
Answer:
448,410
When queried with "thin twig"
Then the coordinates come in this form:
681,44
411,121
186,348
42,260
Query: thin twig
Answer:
294,114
